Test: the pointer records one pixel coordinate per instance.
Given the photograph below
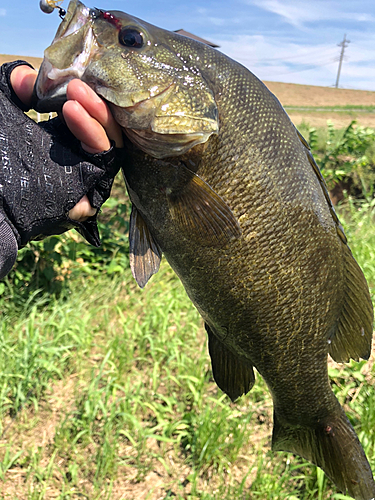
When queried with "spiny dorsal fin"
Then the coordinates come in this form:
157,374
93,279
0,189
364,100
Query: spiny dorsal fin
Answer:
144,252
303,140
232,374
310,157
353,335
201,212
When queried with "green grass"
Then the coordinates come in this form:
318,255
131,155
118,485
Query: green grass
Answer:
321,135
106,392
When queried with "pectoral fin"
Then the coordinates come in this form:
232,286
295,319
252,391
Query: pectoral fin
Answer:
144,253
232,374
202,213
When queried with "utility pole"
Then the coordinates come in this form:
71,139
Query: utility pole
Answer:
343,46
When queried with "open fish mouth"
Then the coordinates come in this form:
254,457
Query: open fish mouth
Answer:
67,57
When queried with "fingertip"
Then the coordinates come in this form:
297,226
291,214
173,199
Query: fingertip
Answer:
82,210
22,79
76,90
71,107
89,104
88,130
80,91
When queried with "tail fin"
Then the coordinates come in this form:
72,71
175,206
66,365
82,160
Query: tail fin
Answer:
334,446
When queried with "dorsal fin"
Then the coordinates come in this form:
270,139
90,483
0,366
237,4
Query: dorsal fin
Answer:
353,335
318,173
302,139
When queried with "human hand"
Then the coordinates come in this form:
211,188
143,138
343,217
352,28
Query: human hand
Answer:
89,118
86,115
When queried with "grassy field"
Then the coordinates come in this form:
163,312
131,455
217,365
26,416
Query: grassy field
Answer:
315,105
106,392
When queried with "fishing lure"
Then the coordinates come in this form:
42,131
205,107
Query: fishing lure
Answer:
48,6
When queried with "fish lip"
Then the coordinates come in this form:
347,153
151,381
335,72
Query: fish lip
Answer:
50,87
47,96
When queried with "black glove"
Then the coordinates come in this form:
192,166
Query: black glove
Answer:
43,173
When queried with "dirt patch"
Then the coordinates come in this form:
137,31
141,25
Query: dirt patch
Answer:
172,478
30,430
34,61
310,96
339,120
291,94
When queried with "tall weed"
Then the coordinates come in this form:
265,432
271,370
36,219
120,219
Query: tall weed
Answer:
345,156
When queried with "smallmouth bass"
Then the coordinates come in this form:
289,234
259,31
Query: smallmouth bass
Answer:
224,186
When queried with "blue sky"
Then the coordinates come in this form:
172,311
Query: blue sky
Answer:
280,40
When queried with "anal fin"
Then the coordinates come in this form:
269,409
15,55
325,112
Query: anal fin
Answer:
353,335
233,375
144,253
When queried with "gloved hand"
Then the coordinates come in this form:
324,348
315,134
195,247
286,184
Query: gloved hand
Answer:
44,173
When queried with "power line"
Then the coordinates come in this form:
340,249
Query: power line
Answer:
343,46
290,58
311,67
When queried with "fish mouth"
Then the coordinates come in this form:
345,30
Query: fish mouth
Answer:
63,60
74,47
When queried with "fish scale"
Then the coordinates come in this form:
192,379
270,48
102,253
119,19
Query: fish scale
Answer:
224,186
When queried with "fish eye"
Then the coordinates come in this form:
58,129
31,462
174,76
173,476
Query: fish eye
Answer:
131,37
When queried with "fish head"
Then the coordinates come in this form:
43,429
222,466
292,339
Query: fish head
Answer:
151,78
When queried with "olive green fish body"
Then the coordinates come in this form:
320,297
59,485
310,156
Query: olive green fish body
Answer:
273,295
222,184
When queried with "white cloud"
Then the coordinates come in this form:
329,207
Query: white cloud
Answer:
272,50
366,18
217,21
301,12
296,12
